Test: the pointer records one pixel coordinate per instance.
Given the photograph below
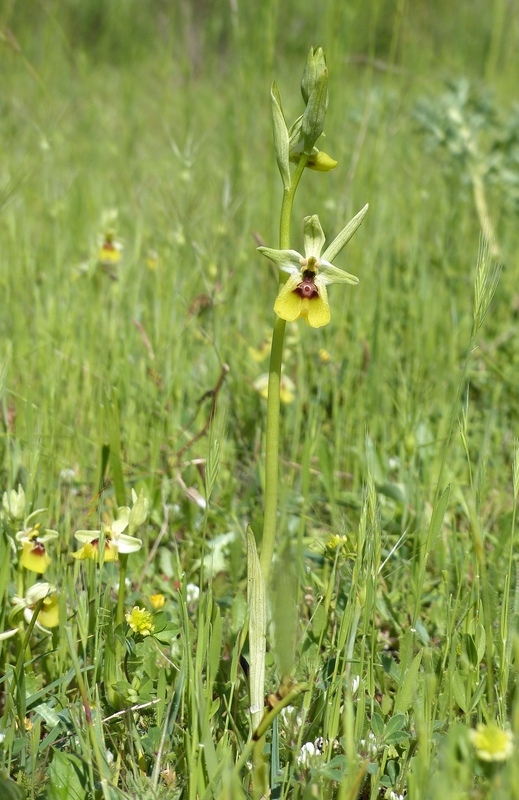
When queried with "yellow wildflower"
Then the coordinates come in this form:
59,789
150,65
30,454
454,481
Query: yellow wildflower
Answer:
140,621
157,601
492,743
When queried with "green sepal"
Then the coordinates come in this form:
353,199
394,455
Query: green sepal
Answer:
313,236
345,235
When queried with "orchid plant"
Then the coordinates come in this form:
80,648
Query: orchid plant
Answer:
302,293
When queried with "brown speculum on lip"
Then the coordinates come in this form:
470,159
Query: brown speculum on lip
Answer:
307,288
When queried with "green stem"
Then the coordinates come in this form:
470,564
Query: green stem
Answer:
273,402
123,564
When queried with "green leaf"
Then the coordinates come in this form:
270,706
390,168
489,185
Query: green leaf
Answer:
281,137
468,649
257,628
459,690
68,777
377,725
480,640
396,723
408,688
9,790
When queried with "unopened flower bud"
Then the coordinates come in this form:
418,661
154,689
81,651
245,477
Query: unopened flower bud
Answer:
314,69
139,512
14,503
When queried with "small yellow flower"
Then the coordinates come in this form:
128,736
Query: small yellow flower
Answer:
140,621
157,601
324,356
337,544
152,260
110,251
304,293
286,388
492,743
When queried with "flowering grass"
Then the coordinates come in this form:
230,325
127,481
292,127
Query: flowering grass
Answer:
135,329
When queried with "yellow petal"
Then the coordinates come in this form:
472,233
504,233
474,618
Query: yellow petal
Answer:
318,313
49,614
288,304
34,557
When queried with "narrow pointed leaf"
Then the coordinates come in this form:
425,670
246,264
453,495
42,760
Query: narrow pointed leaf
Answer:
281,137
257,629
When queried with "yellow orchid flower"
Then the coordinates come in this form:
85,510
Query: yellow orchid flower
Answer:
304,293
33,539
115,541
49,612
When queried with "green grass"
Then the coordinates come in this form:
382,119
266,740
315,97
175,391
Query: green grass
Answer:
402,439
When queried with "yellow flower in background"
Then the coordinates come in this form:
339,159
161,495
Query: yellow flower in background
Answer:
33,539
304,293
286,389
115,541
110,251
492,743
140,621
48,616
324,356
157,601
152,260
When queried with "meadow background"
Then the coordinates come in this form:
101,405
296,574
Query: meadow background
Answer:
154,119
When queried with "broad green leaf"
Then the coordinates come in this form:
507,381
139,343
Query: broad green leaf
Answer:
407,689
396,723
68,777
377,725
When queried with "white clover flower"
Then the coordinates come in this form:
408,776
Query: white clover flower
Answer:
192,593
306,755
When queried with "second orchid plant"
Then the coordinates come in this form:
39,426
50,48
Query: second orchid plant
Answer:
302,293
